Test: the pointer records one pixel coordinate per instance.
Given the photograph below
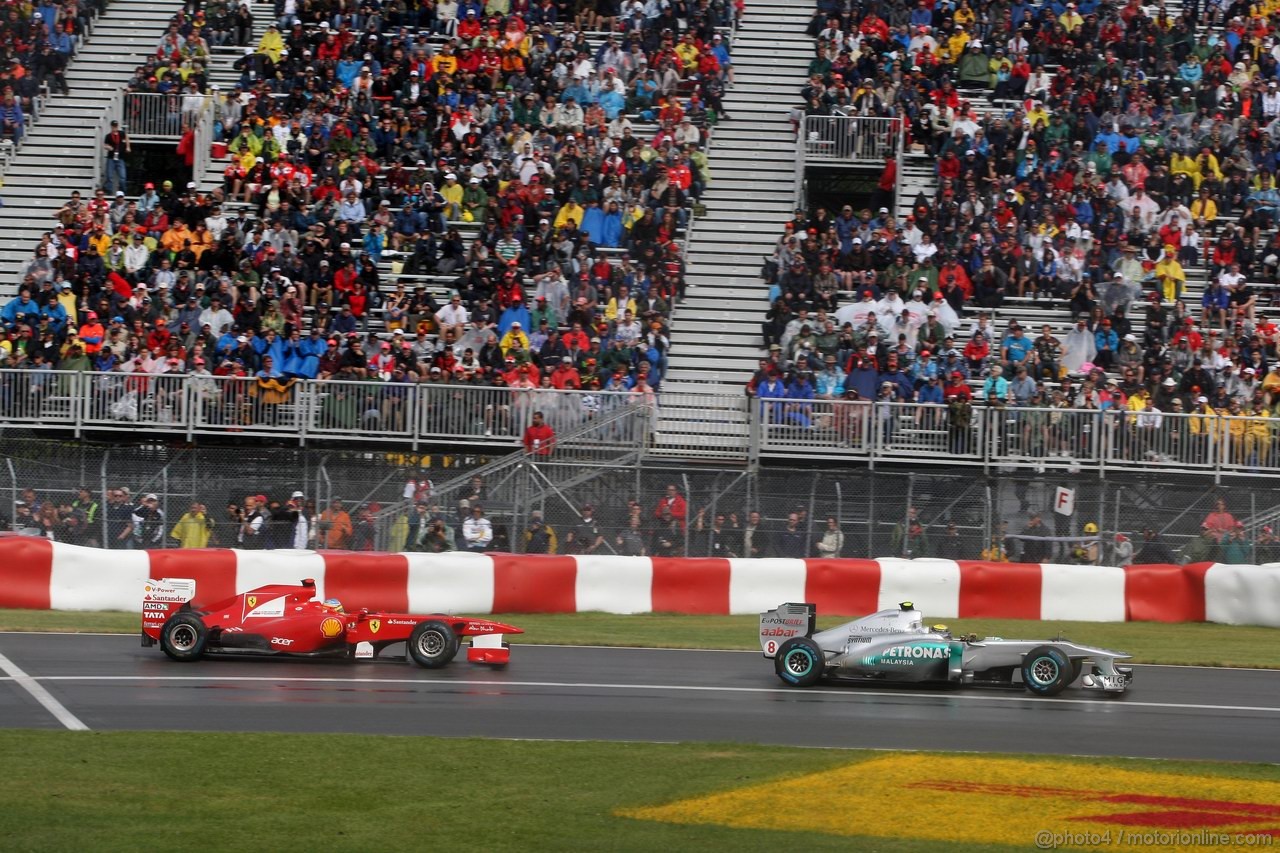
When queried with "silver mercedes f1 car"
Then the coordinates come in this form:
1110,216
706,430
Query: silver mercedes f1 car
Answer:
896,646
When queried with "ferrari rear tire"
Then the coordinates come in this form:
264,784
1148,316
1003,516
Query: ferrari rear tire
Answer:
183,637
1046,671
800,662
432,644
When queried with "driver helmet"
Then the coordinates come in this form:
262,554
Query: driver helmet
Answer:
333,604
941,629
1091,528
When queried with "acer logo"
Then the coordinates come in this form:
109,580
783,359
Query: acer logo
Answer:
281,641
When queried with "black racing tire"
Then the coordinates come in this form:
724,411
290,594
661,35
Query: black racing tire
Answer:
1077,666
432,644
800,662
1047,671
183,637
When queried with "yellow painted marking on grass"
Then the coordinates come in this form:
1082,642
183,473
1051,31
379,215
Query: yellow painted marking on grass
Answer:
1035,802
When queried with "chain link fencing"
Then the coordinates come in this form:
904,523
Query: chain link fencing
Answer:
74,491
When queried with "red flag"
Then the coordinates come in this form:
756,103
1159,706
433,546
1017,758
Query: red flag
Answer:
119,285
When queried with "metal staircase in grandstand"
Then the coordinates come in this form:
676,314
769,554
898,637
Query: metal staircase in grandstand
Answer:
717,327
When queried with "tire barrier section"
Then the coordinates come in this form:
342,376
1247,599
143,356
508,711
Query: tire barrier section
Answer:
38,574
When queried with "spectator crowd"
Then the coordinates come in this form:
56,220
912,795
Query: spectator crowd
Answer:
1087,156
37,40
526,171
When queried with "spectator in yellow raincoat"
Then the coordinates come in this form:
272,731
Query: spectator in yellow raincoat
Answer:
1186,164
272,44
953,47
194,528
515,338
1070,19
1205,425
1170,275
688,53
1258,436
1204,207
571,211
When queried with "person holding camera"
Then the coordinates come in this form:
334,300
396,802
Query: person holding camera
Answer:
251,520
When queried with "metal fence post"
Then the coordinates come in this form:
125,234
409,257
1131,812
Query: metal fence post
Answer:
755,432
1253,538
871,518
13,494
102,476
411,417
688,493
808,528
521,494
79,396
164,511
988,534
840,513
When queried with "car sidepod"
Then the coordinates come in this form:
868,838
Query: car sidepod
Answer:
931,658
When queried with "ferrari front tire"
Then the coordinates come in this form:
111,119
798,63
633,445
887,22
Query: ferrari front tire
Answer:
1046,671
800,662
432,644
183,637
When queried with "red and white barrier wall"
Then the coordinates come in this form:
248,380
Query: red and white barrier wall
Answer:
35,573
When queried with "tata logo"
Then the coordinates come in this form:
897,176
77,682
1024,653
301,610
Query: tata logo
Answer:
374,625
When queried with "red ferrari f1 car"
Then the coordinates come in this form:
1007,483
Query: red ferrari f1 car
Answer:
288,620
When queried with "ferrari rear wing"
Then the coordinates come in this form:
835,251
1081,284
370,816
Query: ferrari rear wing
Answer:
784,622
160,600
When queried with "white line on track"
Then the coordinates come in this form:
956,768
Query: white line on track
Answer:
44,697
850,693
637,649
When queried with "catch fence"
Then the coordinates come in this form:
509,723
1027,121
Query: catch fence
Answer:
396,500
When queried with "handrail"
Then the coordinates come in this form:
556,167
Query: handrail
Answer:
167,115
596,427
843,138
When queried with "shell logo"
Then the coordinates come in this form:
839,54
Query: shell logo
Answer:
331,626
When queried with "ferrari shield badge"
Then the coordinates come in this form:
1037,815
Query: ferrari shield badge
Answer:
374,625
251,601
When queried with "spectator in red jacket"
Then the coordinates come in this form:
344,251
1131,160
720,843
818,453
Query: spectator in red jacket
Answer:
539,437
674,502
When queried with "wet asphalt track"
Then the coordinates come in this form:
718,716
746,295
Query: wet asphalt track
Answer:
550,692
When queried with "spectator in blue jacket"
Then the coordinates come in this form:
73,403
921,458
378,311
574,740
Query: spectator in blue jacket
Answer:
1106,342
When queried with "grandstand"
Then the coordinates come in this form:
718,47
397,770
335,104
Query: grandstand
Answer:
733,125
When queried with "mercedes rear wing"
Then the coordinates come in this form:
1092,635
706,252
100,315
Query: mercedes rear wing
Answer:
784,622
